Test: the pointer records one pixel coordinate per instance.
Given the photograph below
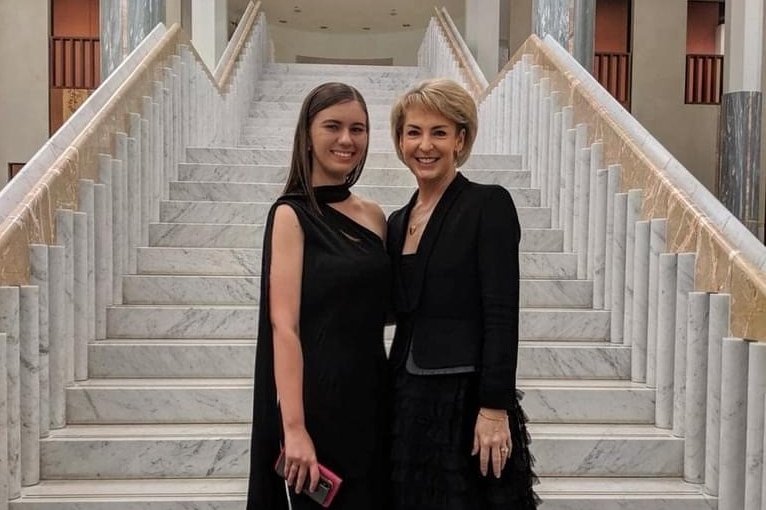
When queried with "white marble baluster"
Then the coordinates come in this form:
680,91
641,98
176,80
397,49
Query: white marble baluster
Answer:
134,190
534,121
38,277
167,127
87,205
9,324
545,134
121,155
554,178
29,383
101,275
666,330
516,124
158,138
684,285
640,297
657,245
614,186
696,387
146,169
720,316
105,249
582,192
596,163
118,231
580,144
618,268
599,245
567,188
80,353
567,149
756,391
57,336
734,376
4,494
635,197
65,237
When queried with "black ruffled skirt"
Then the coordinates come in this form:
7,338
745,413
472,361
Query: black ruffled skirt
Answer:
432,468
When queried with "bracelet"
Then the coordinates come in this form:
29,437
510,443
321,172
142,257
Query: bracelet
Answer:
504,418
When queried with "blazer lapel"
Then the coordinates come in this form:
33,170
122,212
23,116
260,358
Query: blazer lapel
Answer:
431,234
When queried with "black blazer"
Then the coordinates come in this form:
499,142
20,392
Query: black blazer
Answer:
462,309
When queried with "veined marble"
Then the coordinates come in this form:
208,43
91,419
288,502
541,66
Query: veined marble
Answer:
161,290
29,383
734,377
210,261
696,387
9,324
720,305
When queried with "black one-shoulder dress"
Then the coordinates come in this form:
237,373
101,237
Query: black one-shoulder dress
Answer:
344,298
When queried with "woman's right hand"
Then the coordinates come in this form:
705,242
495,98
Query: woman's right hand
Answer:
300,460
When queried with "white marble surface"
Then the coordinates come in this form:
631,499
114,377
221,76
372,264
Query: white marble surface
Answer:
87,205
548,265
118,232
754,440
696,387
65,238
134,193
554,172
613,186
684,285
29,383
57,336
640,298
734,377
39,277
618,267
9,324
582,192
568,162
78,367
635,197
182,322
596,163
599,241
102,293
544,140
657,245
4,421
207,261
720,313
221,450
666,329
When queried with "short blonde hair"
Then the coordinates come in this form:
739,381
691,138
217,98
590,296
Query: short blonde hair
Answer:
442,96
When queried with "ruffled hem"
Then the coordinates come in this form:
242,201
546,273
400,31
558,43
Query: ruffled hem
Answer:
432,432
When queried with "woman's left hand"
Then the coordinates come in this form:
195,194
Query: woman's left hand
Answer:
492,440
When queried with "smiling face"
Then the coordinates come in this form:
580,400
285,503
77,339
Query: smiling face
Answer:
428,143
338,140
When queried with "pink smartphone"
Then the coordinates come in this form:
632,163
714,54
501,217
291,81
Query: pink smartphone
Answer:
328,486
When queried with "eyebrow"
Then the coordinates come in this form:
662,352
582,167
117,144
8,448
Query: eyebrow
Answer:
440,126
336,121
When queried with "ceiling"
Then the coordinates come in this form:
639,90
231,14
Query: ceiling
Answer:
350,16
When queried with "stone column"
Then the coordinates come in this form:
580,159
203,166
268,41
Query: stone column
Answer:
124,24
482,28
584,32
551,17
734,376
741,111
209,29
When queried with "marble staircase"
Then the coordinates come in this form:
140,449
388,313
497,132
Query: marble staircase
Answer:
162,422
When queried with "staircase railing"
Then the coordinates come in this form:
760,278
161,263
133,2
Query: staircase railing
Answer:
71,221
684,280
445,54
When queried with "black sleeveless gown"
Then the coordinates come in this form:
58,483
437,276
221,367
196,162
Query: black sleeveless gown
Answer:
344,298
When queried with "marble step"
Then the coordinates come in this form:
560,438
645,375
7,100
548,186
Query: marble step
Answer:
222,358
222,290
160,401
222,450
569,493
247,262
370,176
204,235
291,71
240,155
267,192
379,143
197,211
240,321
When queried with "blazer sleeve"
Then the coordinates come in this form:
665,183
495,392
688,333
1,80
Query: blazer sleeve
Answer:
498,256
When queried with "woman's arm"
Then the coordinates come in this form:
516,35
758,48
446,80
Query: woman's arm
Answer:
285,297
498,245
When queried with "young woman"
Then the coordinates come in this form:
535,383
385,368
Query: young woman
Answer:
459,436
320,375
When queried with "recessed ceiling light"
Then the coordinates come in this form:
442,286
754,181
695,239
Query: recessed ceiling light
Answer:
365,28
393,13
406,25
297,9
323,27
283,21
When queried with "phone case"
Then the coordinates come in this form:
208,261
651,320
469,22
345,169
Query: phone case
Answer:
329,482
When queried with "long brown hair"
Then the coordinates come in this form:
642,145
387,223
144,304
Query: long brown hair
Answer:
321,98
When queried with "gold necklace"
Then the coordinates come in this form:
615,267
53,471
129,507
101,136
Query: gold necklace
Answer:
415,225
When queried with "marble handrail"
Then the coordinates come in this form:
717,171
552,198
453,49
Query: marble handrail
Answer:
729,257
223,70
460,49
